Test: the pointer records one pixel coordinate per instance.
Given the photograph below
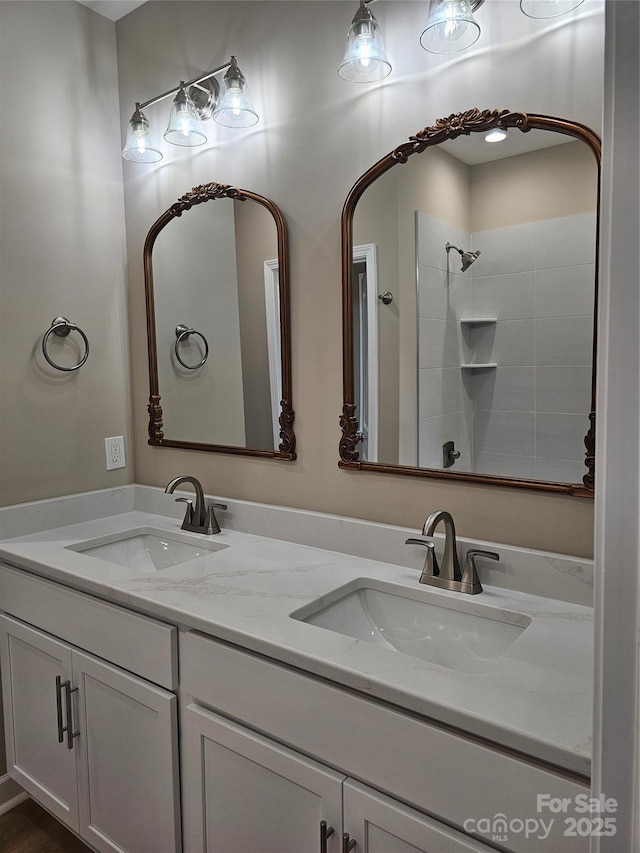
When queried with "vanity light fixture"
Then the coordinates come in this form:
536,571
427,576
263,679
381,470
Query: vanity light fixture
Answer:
451,26
195,101
365,59
548,8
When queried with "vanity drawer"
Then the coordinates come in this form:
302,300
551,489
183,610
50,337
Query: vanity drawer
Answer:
134,642
453,777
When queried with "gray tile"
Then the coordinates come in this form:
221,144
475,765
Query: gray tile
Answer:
514,342
502,465
563,389
564,340
438,344
565,241
442,295
440,392
565,292
561,436
511,433
504,250
505,388
506,297
560,470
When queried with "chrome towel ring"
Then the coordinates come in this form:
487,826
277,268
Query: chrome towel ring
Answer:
61,327
183,333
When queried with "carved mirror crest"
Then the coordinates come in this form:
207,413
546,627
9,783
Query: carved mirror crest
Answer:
217,298
469,305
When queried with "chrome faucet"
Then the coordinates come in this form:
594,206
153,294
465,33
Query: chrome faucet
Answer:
448,576
199,518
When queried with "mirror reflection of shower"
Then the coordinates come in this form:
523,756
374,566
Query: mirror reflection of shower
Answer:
467,257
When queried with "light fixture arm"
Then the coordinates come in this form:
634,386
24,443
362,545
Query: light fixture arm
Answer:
199,79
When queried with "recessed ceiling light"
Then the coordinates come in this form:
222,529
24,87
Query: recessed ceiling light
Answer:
495,135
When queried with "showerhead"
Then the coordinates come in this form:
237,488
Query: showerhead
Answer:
467,257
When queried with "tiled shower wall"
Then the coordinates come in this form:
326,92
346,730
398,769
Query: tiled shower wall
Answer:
527,417
444,408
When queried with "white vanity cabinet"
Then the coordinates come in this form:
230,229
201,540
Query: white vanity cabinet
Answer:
264,746
245,793
93,743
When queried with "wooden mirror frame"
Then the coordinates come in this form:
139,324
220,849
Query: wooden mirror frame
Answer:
200,195
455,125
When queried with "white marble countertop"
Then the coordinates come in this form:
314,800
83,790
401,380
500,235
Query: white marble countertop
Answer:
537,699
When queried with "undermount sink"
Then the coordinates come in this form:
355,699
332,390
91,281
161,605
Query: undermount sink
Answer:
146,550
463,635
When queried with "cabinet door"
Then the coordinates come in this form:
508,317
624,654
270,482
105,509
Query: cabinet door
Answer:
127,760
379,824
36,758
246,794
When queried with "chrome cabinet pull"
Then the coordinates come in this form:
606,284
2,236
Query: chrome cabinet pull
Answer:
61,729
325,832
69,727
348,843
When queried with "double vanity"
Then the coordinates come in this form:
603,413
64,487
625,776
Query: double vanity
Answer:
168,690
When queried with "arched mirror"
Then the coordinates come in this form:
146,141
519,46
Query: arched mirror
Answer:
217,293
469,257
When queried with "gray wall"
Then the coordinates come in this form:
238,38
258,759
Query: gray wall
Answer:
62,251
317,134
62,228
256,242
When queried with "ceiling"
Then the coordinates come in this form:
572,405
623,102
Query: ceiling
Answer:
112,9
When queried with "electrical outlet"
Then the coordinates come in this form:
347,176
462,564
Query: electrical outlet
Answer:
114,451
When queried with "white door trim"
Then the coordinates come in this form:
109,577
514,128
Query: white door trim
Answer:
274,345
367,253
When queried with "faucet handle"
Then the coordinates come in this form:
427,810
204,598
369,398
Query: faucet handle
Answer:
211,524
470,580
431,567
188,515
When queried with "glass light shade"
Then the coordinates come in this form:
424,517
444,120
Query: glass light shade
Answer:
141,145
548,8
451,27
365,59
234,108
184,125
495,135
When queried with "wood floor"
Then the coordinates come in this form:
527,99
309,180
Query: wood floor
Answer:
29,829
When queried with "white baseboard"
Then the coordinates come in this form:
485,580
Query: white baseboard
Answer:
10,794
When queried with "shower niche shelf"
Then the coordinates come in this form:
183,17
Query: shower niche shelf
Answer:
471,323
477,321
487,365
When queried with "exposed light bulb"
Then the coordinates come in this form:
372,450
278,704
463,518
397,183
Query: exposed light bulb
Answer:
364,50
236,102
